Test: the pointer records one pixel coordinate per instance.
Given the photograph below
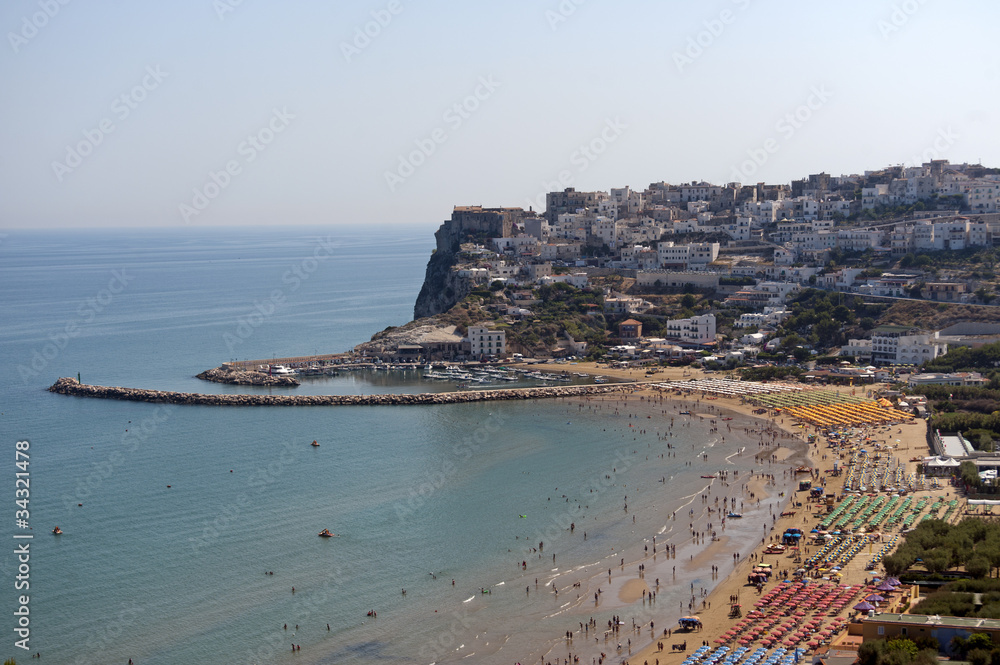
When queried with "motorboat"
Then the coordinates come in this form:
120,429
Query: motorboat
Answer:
325,533
279,370
734,516
314,444
57,531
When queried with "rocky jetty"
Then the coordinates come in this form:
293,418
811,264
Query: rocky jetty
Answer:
70,386
240,377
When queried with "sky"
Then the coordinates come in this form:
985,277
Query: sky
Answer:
248,112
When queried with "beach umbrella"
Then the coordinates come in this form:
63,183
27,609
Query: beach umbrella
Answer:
875,598
885,586
894,581
864,606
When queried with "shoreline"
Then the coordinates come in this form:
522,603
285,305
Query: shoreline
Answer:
696,560
714,616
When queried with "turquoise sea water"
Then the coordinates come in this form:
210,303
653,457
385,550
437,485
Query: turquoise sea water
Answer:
419,496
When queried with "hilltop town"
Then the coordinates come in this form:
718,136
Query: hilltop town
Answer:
728,273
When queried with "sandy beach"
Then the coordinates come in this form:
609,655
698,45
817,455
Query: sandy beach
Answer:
712,602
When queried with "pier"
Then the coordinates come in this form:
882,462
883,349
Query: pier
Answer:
72,387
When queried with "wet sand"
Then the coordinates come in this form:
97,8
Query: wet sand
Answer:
650,620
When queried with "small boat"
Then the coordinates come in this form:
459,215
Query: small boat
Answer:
708,476
279,370
325,533
727,418
788,513
735,516
314,444
57,531
685,413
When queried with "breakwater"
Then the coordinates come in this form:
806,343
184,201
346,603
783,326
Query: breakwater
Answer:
239,377
72,387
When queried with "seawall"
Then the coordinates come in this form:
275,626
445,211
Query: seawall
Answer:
72,387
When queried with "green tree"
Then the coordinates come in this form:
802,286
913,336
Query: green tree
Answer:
870,652
980,641
978,657
688,301
937,560
978,566
904,646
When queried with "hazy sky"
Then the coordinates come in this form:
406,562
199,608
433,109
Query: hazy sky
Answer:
232,112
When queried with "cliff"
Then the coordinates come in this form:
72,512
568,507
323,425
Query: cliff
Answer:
442,288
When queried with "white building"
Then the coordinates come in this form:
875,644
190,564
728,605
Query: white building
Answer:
577,279
486,342
626,305
770,316
857,348
957,379
898,345
696,330
693,256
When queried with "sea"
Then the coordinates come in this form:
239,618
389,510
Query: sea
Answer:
464,532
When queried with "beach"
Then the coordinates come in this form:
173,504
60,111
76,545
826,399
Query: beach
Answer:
714,587
696,560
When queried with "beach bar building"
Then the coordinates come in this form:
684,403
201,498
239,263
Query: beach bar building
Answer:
941,628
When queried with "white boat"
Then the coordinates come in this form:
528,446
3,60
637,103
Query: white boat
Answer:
279,370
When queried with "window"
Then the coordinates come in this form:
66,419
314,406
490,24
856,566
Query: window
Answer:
881,630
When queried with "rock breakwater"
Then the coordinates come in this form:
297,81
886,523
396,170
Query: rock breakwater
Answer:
72,387
240,377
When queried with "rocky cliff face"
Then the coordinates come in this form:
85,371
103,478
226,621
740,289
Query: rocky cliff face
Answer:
442,286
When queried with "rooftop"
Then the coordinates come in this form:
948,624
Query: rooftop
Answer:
938,620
